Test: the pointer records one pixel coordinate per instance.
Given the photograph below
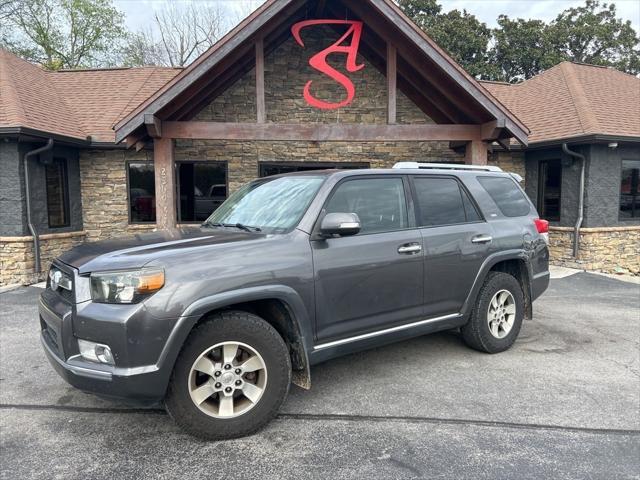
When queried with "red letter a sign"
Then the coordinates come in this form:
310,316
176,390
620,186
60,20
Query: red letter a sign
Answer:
319,60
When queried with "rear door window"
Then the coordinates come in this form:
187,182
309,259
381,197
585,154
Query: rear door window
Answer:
441,201
508,197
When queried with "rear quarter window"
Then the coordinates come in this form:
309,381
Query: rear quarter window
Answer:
508,197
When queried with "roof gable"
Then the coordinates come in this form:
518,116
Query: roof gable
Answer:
573,100
381,16
73,104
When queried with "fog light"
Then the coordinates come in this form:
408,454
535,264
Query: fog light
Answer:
95,352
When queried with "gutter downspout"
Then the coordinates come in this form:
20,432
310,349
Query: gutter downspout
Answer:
576,230
27,193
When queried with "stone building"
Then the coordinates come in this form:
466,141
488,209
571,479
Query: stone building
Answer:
121,151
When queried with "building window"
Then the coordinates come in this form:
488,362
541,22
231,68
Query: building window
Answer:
202,187
276,168
549,189
630,190
142,192
57,193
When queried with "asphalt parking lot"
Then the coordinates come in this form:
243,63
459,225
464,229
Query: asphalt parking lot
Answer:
563,403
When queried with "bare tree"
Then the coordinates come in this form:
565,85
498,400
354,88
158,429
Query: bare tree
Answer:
182,31
187,30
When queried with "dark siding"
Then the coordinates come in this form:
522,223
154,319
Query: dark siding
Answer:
602,183
13,217
12,206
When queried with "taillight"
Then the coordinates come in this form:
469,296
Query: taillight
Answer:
542,226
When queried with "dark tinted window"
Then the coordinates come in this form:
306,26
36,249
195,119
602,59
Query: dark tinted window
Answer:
441,201
630,190
274,168
509,198
202,187
379,202
142,192
57,195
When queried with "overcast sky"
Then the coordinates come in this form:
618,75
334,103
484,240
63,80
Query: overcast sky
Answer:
138,12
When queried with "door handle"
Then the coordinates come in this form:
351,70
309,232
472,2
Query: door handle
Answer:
481,239
410,248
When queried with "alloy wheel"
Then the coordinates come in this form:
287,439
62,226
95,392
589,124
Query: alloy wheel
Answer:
227,380
501,314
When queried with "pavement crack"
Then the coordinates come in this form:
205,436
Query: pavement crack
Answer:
340,417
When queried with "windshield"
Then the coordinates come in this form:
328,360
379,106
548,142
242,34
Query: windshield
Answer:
275,206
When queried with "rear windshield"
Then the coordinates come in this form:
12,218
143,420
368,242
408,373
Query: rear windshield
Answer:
509,198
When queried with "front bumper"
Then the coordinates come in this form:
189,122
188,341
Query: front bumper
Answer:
136,339
141,387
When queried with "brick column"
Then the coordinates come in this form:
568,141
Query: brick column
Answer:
476,153
164,165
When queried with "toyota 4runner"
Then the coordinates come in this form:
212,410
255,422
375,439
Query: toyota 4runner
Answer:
216,321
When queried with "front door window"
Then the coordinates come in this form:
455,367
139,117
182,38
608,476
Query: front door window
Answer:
549,189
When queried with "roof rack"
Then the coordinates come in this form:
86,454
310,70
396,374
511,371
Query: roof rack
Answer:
446,166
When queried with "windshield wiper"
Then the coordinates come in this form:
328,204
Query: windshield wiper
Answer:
240,226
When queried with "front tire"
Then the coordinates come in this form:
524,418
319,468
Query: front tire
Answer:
230,378
497,317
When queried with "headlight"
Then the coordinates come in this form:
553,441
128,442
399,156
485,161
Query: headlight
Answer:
125,286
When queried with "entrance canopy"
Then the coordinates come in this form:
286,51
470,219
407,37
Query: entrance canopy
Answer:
376,30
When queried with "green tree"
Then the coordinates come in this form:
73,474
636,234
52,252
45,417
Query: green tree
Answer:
66,33
461,34
594,34
521,49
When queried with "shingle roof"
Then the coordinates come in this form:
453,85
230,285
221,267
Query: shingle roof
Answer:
573,100
73,103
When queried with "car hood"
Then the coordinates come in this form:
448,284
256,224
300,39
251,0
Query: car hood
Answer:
135,251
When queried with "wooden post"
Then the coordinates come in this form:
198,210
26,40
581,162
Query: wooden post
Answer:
165,183
260,106
476,153
391,83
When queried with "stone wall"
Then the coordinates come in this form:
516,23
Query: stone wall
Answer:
103,176
610,249
17,259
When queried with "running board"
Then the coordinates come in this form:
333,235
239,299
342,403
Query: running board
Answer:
399,328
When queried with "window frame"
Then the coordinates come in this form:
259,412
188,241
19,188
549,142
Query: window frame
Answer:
540,196
127,166
321,165
462,188
177,185
408,199
65,193
620,218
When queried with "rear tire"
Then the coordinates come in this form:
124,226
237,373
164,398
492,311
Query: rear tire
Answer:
497,317
230,378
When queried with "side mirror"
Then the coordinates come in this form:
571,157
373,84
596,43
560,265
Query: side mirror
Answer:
342,224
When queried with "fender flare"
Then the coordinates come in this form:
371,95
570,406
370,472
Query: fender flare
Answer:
487,265
194,313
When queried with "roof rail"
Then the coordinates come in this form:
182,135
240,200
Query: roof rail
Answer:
446,166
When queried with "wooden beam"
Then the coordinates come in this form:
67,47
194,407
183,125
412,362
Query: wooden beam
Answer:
260,105
391,84
131,140
140,145
492,130
153,125
476,152
165,182
319,132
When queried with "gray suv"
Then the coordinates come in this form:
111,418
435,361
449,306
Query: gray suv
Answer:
216,321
